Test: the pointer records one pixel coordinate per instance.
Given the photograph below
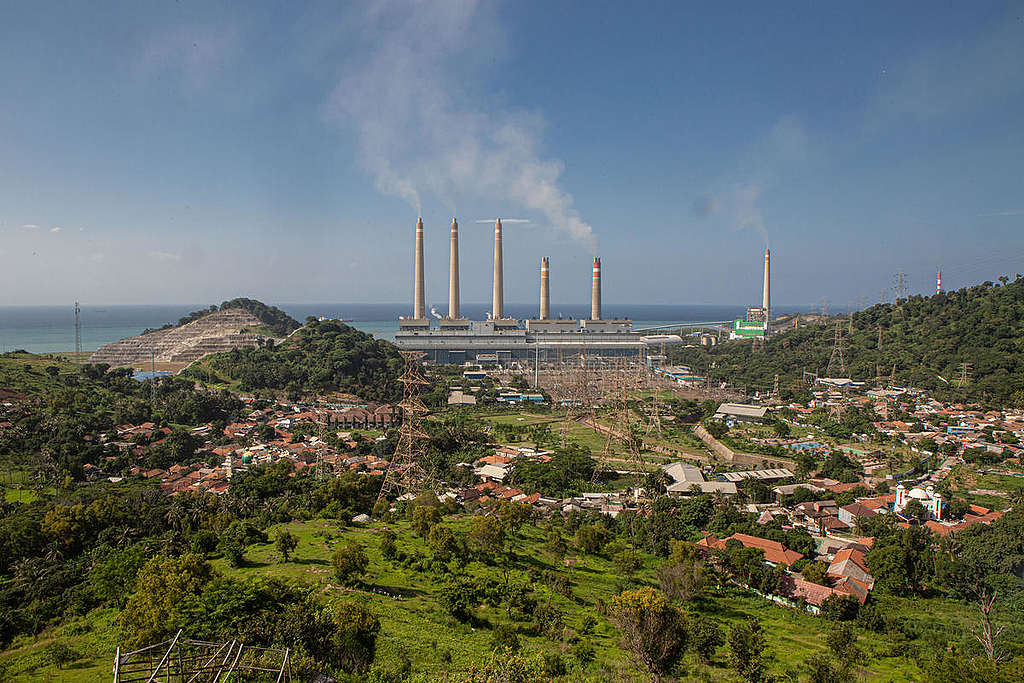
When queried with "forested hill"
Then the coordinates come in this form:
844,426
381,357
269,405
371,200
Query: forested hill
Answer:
322,357
928,339
276,321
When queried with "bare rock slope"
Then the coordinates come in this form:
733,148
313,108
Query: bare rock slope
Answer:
222,331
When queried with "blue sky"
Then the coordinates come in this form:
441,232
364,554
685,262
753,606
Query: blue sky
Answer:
190,151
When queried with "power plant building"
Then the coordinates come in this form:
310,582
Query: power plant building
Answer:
498,339
758,321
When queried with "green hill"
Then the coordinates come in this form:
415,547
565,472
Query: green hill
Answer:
276,322
927,338
324,356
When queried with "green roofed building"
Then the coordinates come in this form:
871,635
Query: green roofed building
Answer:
741,329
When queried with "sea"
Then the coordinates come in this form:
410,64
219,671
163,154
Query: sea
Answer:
51,329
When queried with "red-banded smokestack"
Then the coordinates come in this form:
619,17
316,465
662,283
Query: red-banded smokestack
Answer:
938,283
498,298
545,296
766,294
595,291
419,304
453,273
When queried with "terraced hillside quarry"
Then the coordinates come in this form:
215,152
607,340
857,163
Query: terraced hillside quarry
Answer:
233,328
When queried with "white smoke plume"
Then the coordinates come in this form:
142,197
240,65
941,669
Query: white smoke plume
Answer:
418,128
737,205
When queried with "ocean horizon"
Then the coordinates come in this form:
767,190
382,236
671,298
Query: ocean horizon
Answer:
51,329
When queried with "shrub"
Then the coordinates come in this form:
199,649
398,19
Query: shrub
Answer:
653,631
504,637
60,654
747,650
350,563
353,640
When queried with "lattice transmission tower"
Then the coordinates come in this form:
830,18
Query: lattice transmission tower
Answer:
405,472
836,361
183,660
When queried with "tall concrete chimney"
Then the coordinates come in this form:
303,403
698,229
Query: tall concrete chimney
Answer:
498,299
453,273
766,295
419,305
595,291
545,293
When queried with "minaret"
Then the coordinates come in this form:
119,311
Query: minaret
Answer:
766,295
595,291
453,274
498,299
419,306
545,297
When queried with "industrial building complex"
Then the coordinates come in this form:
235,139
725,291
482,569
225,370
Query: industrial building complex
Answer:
758,321
500,339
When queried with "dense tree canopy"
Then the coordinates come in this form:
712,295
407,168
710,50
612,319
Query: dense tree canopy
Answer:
925,337
324,356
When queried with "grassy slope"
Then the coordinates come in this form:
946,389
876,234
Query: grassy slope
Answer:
417,627
26,372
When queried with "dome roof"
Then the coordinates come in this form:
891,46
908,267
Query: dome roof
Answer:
919,494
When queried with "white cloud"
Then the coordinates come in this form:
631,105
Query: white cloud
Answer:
419,130
736,202
987,68
55,229
1016,212
164,256
30,226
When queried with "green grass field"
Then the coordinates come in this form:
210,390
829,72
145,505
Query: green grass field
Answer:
589,438
414,626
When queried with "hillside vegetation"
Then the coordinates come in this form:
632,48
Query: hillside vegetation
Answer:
276,321
325,356
927,338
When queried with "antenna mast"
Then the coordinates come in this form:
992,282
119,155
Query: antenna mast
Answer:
78,339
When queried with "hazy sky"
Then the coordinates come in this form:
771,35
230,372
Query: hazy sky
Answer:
184,151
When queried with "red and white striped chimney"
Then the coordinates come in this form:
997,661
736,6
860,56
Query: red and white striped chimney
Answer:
938,283
595,291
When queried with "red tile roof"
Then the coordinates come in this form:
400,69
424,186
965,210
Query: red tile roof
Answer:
774,551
